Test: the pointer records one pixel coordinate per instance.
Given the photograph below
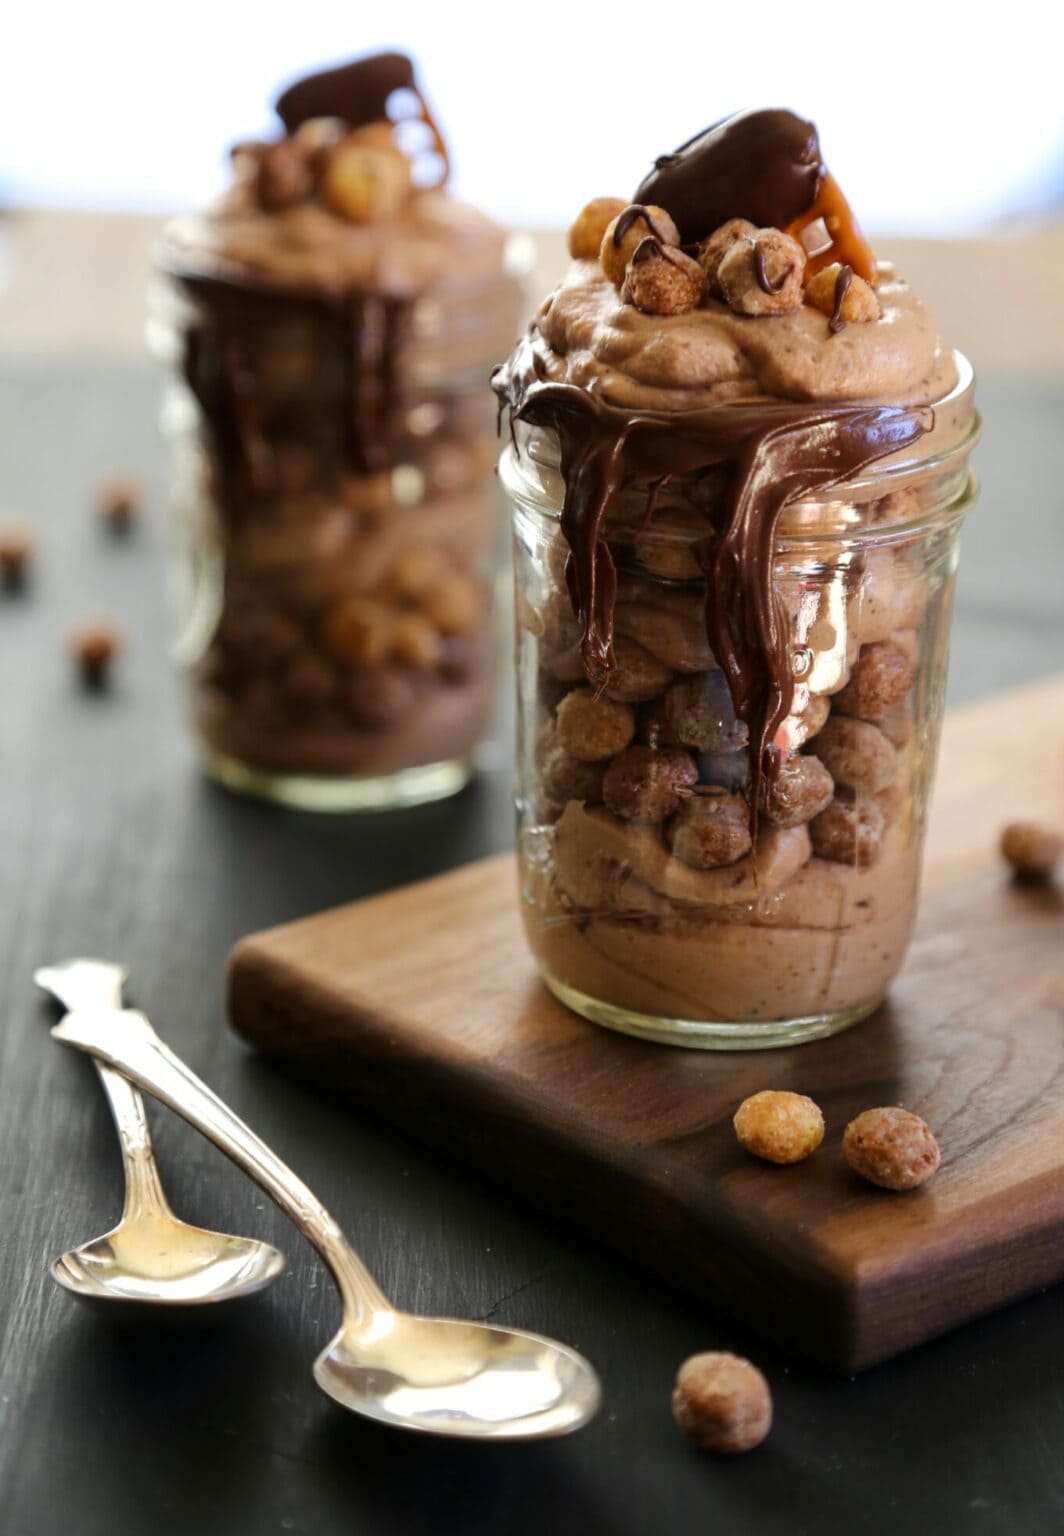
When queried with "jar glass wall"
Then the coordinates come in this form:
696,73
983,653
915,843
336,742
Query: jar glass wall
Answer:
653,902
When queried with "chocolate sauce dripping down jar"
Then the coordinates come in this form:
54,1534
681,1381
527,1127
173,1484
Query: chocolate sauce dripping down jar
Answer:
719,845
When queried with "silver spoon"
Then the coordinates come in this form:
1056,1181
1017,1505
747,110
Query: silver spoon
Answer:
433,1374
151,1256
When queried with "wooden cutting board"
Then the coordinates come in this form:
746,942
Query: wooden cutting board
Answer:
424,1006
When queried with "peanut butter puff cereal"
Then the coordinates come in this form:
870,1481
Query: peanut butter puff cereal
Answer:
723,1402
16,553
626,233
891,1147
586,234
94,646
778,1126
1033,850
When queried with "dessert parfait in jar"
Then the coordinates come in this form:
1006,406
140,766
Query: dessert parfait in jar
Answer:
738,464
331,324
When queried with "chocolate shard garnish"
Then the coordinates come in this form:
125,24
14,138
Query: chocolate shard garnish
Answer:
357,92
763,166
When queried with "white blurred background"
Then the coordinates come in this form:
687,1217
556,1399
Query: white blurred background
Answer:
944,124
937,119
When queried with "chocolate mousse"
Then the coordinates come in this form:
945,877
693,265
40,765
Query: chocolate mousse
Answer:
739,461
335,315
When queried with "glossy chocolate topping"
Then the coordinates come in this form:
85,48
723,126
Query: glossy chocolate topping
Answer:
763,166
776,454
357,92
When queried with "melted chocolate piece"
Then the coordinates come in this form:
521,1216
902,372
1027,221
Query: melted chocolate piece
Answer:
357,92
763,166
773,454
842,288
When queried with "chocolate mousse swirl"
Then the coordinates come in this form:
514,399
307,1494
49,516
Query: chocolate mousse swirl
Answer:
777,453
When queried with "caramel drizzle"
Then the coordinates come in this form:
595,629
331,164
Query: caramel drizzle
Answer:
848,245
776,453
842,287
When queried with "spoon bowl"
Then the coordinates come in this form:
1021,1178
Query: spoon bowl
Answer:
167,1262
467,1380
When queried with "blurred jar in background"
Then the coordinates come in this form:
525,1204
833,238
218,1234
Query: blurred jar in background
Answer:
331,326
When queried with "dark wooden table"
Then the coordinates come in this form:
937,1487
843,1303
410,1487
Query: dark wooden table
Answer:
111,843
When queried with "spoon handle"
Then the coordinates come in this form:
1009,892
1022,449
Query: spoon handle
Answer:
86,983
144,1190
124,1039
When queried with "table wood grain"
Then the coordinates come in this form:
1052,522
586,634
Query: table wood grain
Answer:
111,843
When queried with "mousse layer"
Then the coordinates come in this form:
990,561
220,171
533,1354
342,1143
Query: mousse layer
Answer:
586,335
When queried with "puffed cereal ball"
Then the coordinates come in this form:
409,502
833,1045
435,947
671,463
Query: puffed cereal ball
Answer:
717,245
801,790
880,681
591,728
366,184
635,221
564,778
637,675
778,1126
661,280
859,302
856,754
849,832
648,783
710,830
891,1147
1033,850
590,224
762,275
723,1402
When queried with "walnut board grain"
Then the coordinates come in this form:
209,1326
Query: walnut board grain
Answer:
423,1006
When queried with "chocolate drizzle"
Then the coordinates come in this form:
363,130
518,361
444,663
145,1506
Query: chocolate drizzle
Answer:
649,248
842,288
361,333
774,453
764,282
630,216
763,166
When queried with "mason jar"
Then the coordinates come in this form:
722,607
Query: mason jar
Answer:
336,527
656,898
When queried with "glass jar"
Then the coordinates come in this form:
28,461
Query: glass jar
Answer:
653,902
336,530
